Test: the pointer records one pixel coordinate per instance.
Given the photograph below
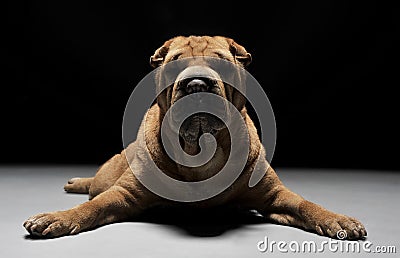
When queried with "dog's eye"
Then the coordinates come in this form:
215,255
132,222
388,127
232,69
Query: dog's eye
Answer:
220,55
175,57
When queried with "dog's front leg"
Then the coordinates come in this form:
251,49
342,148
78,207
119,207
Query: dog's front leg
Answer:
116,204
281,205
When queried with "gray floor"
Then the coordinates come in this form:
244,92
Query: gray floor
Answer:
370,196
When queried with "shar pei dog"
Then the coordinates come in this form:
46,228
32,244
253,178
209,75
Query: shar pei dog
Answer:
117,193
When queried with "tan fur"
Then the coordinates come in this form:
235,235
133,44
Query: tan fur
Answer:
116,194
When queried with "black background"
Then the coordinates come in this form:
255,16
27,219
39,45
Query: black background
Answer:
330,70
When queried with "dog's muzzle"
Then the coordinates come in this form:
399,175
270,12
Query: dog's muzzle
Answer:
202,89
196,79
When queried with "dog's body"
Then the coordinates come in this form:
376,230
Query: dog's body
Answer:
116,194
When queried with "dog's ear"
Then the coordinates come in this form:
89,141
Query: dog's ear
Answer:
239,53
243,58
158,58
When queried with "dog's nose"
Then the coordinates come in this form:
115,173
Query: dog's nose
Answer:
196,85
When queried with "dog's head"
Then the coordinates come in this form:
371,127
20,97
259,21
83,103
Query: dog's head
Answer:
196,72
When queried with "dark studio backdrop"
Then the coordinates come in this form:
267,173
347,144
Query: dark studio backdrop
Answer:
330,70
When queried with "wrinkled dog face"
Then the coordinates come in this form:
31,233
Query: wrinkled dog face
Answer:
196,74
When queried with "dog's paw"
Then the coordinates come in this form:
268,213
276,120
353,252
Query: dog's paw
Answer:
78,185
341,227
50,225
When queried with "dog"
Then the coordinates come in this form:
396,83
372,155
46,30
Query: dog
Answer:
116,194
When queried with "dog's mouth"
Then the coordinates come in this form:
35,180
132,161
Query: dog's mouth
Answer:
197,125
201,109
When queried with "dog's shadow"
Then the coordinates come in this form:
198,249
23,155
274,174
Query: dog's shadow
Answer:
202,223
